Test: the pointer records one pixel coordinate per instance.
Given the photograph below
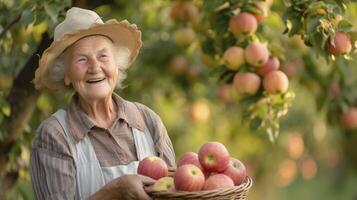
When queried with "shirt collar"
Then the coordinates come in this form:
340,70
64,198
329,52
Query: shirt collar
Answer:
80,124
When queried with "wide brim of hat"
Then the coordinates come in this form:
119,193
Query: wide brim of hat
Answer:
122,34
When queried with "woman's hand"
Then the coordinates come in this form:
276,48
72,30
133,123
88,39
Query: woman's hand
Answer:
126,187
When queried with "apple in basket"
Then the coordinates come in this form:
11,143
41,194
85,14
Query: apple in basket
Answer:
236,171
189,158
164,184
218,181
153,167
189,177
214,157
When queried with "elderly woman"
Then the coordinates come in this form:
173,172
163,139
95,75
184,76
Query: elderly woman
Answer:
91,149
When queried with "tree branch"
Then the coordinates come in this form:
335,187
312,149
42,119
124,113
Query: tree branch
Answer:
8,27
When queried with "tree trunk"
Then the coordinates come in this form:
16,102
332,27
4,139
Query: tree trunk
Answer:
22,100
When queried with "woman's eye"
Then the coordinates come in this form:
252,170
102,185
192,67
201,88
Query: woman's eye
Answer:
81,59
103,56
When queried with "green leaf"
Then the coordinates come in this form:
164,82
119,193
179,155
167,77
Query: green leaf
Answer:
27,18
52,10
345,26
40,17
252,9
210,6
255,123
312,23
220,24
353,36
296,25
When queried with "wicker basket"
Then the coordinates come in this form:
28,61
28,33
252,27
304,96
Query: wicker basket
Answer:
239,192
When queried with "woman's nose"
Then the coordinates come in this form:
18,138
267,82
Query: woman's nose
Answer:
94,66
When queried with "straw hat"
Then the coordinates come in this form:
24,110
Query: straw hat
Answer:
80,23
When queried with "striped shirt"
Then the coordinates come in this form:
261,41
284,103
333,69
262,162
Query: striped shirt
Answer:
52,167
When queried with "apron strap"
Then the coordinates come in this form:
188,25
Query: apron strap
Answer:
89,176
143,143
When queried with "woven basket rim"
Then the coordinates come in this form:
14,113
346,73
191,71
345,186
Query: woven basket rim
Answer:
243,187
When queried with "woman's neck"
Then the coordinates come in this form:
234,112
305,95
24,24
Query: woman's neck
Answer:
102,111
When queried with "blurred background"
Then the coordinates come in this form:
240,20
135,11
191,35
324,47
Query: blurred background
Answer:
314,157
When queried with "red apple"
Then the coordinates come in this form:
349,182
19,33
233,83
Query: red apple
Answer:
153,167
272,64
189,178
214,157
189,158
340,44
348,119
247,83
293,67
179,64
224,92
243,24
236,171
183,11
233,57
256,54
164,184
218,181
276,81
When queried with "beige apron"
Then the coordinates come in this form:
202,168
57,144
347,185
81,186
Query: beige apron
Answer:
90,176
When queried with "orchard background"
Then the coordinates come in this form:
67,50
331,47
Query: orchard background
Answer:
296,131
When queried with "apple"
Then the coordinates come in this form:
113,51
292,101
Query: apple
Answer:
164,184
236,171
296,41
189,177
179,64
214,157
243,24
272,64
224,92
183,37
189,158
192,73
293,67
218,181
340,44
200,112
256,54
263,7
233,57
348,119
153,167
247,83
275,81
183,11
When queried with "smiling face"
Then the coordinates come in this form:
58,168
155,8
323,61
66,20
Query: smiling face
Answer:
91,68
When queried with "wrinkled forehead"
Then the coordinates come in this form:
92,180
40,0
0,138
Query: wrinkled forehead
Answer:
90,42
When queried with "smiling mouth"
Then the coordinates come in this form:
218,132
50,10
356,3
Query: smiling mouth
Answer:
95,80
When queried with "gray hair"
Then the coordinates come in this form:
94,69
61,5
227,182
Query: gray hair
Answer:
121,56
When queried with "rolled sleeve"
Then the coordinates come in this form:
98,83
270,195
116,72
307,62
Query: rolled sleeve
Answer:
52,167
